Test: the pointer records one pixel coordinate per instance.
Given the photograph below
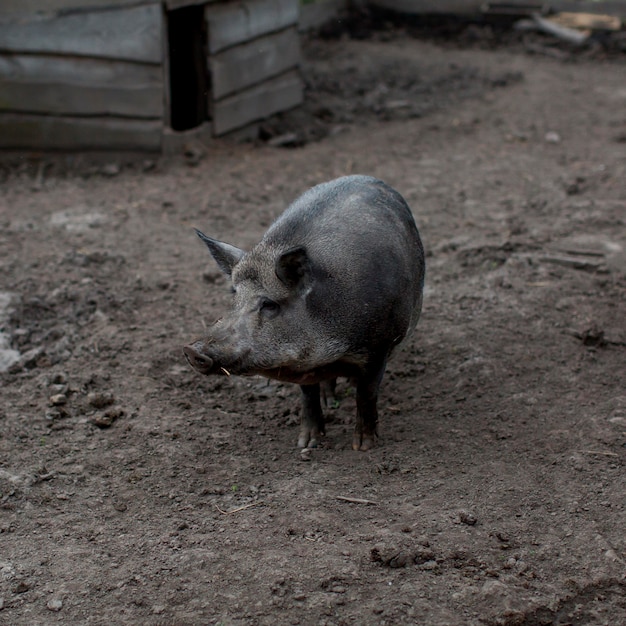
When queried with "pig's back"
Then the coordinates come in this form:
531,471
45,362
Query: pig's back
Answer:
350,224
361,236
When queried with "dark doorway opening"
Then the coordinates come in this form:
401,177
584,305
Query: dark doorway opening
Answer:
189,82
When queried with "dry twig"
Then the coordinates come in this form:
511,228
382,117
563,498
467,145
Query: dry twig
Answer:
238,509
356,500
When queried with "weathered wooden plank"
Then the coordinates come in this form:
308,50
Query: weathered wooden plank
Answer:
272,96
230,24
611,7
11,9
32,7
79,86
47,132
593,21
132,34
242,66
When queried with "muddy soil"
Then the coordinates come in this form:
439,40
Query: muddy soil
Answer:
135,491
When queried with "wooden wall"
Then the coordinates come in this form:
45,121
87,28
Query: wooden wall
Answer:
83,80
253,61
77,76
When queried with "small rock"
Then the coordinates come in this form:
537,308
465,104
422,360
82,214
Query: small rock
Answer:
1,603
110,170
375,555
101,421
107,419
56,413
305,454
391,105
423,555
58,399
493,588
21,587
193,153
552,137
285,140
158,609
467,518
576,186
54,604
100,400
592,336
612,556
401,559
29,359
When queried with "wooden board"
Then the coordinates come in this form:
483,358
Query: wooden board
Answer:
47,132
132,34
78,86
592,21
31,7
243,66
272,96
239,22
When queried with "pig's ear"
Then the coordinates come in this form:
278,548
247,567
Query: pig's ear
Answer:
292,267
225,255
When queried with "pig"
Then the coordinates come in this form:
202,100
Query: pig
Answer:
330,290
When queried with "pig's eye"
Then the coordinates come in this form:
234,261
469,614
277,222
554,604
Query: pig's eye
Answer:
268,307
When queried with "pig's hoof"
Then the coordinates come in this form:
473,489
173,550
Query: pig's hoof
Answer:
363,442
309,439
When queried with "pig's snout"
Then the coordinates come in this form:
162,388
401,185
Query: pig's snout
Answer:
199,361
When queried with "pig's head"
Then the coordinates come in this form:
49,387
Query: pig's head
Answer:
270,330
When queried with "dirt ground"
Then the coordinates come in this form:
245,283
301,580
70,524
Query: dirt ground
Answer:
135,491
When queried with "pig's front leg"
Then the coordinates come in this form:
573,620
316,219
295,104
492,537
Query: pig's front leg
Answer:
366,428
312,418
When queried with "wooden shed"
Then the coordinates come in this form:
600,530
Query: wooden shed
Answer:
122,74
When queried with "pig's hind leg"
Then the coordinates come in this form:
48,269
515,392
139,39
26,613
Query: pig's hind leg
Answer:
366,427
329,392
312,418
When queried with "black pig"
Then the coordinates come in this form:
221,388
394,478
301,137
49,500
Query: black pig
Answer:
332,287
